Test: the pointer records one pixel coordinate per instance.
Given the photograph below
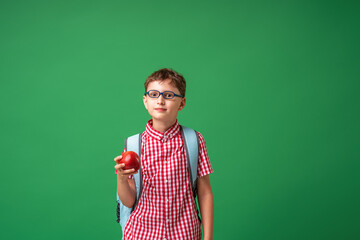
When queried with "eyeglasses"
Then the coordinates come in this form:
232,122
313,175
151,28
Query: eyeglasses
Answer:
166,94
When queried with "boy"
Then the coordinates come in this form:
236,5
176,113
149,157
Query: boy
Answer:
166,209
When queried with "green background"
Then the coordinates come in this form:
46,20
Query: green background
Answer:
273,86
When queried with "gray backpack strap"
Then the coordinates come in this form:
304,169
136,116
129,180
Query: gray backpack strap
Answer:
191,144
132,143
192,151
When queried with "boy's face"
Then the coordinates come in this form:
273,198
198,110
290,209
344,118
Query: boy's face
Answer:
162,109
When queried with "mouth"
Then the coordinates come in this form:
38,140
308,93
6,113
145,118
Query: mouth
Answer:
160,109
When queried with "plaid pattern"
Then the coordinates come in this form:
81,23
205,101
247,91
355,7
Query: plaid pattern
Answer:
166,209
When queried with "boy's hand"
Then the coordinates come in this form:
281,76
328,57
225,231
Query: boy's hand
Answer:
120,171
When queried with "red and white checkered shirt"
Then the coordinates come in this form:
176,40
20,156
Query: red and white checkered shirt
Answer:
166,209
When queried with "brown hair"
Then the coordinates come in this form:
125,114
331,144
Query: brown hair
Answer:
166,73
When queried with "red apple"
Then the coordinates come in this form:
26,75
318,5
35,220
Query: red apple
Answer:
131,160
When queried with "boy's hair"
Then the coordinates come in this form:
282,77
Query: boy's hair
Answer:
166,73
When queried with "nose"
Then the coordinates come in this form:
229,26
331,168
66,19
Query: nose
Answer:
160,99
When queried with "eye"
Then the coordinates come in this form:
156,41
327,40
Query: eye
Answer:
168,95
153,94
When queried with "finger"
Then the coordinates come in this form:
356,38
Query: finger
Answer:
118,158
120,166
129,171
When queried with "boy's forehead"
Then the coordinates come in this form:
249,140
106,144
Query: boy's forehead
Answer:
162,85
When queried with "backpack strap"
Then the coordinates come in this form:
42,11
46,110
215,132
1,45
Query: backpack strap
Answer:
191,144
132,143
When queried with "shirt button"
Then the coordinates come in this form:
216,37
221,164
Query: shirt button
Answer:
165,181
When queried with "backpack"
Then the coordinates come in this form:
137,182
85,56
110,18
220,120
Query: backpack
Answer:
133,143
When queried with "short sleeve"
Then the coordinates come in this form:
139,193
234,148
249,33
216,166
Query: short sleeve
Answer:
204,166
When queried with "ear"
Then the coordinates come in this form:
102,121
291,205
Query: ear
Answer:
145,101
182,104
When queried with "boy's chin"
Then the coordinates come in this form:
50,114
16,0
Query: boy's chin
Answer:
162,118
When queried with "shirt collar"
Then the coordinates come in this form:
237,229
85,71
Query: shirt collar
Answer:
170,133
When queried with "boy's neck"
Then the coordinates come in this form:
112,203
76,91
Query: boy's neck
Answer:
162,126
